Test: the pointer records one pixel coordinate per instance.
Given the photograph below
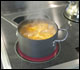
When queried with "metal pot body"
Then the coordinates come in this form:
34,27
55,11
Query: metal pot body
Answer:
36,48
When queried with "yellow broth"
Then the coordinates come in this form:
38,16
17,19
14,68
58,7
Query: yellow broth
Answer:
37,30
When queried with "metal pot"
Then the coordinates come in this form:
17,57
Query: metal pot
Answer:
38,48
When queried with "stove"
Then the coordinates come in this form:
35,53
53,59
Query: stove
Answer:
68,49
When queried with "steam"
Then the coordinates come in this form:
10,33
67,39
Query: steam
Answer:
37,10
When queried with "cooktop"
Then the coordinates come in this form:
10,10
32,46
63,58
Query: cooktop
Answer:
69,49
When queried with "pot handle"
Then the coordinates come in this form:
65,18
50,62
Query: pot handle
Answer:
63,38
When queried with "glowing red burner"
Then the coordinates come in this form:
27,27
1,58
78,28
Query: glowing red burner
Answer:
37,59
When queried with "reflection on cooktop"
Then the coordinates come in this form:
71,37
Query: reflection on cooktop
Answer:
77,49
